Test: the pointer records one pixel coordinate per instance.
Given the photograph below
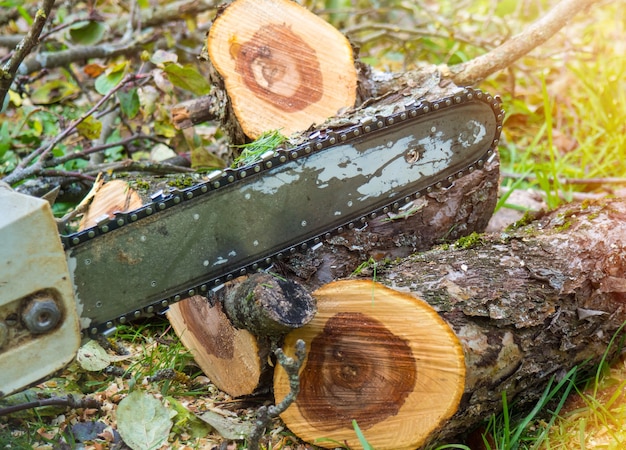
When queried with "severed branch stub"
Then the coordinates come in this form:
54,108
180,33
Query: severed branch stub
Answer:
267,306
265,414
231,335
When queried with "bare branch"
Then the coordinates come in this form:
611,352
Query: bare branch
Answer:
8,72
51,60
69,401
42,154
265,414
479,68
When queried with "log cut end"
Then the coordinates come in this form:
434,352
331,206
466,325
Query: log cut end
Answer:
229,357
284,68
107,199
377,356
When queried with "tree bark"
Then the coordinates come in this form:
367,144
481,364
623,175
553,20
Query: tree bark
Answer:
437,218
526,305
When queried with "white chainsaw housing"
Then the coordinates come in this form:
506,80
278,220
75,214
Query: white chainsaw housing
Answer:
39,332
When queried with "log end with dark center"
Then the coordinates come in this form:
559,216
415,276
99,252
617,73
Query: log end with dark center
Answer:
376,356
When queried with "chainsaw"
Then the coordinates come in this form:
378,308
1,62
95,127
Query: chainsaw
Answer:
56,290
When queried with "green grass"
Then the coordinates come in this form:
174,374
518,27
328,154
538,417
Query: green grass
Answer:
570,122
252,152
161,358
506,432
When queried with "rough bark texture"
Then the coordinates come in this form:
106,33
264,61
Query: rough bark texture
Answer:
439,217
527,305
232,334
265,305
195,111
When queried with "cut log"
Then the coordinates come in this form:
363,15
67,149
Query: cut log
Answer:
107,199
376,356
231,337
230,358
526,306
437,217
284,68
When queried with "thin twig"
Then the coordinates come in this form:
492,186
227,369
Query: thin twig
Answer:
67,174
140,166
8,72
265,414
69,401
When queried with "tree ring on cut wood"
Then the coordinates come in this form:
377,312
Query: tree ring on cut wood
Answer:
279,67
378,356
284,68
356,369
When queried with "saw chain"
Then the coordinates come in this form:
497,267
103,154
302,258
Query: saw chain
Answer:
186,242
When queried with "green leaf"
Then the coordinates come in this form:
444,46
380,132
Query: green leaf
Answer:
111,78
186,421
24,13
54,91
87,33
5,139
161,57
129,102
187,77
93,357
227,427
143,422
90,128
164,129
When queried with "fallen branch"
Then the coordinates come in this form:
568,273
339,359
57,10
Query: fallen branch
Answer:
51,60
471,72
69,401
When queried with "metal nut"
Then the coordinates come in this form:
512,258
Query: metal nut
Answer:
412,155
41,315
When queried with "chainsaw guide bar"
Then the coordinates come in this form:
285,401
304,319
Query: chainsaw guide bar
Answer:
190,241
